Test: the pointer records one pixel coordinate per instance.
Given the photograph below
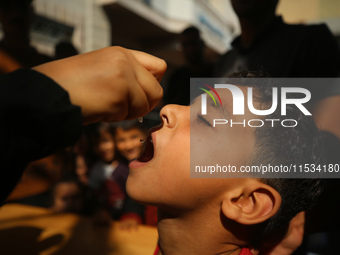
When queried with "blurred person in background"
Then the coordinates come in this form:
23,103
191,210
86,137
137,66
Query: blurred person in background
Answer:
67,197
81,169
130,136
108,176
15,48
268,43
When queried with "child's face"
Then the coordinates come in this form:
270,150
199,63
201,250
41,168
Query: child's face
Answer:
128,142
164,179
81,169
67,198
105,147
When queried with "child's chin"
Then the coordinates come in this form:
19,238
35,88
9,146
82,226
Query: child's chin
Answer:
107,160
137,193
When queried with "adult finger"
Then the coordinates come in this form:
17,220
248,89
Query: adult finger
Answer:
154,65
152,90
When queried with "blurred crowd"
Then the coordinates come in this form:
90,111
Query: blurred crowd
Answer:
90,178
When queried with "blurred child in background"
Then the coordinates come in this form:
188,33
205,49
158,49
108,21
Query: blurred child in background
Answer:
108,175
67,197
129,138
81,169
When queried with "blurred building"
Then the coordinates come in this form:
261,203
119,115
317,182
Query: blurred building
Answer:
152,25
81,21
148,25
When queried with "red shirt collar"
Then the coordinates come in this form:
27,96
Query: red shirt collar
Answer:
244,251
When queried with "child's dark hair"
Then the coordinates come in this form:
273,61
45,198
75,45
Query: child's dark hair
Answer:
97,128
94,131
285,146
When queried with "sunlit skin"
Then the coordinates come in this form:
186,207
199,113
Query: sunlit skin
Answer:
184,202
128,142
168,172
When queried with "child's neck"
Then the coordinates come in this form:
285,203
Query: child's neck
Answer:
114,163
191,234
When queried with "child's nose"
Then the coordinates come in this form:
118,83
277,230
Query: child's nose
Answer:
172,114
130,144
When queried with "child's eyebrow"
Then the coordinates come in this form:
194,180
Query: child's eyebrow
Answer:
210,103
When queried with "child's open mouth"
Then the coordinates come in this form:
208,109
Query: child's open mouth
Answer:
148,152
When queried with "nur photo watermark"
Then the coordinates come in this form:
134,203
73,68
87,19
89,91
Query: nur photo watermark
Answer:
258,128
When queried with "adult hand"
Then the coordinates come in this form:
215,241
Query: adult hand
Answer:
110,84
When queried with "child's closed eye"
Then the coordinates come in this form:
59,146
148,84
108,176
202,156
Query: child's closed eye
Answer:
202,120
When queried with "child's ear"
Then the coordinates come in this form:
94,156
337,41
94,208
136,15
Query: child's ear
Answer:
251,203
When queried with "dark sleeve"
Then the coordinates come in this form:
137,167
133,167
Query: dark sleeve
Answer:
37,118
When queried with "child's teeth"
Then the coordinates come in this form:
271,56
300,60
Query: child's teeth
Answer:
142,141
